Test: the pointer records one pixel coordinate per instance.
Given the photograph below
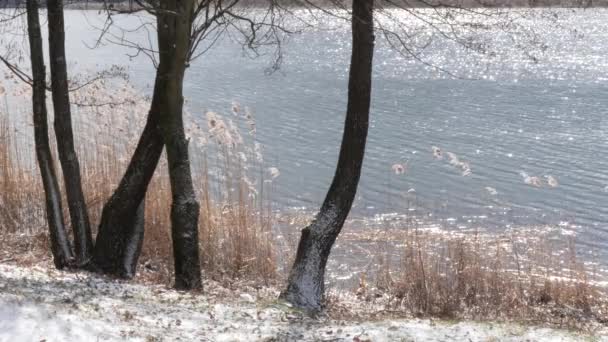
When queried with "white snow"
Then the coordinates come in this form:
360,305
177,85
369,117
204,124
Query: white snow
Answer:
38,304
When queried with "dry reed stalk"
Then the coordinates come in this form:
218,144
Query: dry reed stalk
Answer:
236,230
523,277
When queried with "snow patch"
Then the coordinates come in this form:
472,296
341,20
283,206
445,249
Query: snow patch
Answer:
39,304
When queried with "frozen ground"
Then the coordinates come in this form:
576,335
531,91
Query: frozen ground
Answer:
37,304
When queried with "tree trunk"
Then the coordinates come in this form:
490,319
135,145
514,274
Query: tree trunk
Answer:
83,241
306,281
174,26
60,243
121,233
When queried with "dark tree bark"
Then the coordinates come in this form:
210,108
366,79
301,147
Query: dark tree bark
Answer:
60,243
305,287
174,25
119,253
83,241
121,233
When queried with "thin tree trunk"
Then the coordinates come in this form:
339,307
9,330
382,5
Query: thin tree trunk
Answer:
60,243
121,233
83,241
174,26
305,287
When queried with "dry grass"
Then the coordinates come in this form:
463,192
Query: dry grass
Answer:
235,221
523,276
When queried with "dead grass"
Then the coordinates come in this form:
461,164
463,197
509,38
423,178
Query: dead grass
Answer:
523,275
520,275
235,222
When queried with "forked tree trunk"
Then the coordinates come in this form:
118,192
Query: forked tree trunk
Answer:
121,233
79,217
305,288
174,25
60,243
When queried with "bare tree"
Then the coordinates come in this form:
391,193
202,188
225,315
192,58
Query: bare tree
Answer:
409,27
306,282
60,243
174,24
185,31
83,241
121,229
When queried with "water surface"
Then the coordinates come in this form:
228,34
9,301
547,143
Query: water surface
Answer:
508,116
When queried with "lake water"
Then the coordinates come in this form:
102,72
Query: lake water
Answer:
508,116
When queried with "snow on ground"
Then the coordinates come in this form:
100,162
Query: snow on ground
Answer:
38,304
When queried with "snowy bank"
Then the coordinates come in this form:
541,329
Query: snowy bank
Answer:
38,304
